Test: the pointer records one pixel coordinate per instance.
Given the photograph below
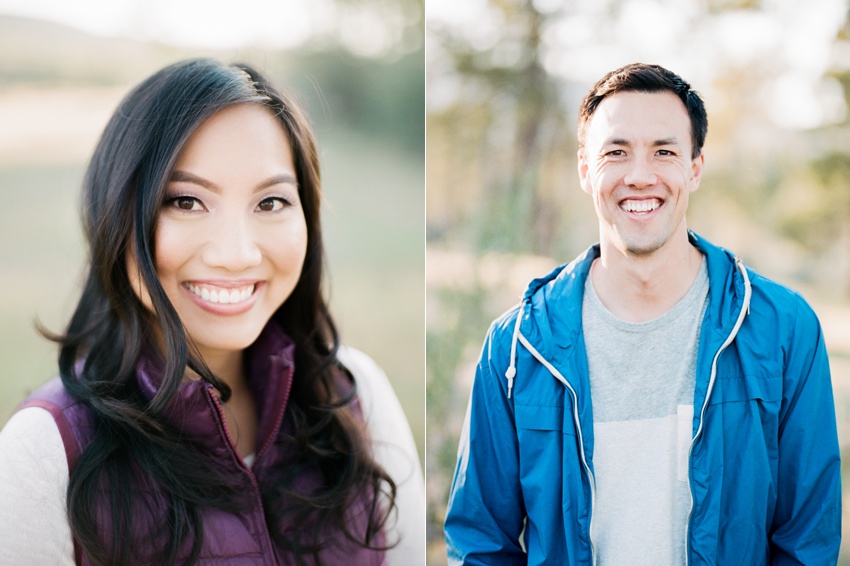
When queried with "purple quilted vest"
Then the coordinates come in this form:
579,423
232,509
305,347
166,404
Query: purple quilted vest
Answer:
234,539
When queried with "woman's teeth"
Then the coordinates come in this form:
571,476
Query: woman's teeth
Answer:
221,295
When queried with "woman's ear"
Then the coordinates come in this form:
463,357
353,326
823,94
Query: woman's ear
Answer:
135,278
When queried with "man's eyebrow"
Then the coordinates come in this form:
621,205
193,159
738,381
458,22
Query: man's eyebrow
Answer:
179,176
624,142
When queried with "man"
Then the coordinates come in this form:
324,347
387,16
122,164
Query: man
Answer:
654,401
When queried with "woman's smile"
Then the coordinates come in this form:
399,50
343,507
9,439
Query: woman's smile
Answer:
226,298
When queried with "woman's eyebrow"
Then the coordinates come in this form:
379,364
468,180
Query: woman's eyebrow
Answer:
282,179
179,176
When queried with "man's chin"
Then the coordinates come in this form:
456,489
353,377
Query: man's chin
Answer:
642,247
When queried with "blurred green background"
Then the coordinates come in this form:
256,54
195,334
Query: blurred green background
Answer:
504,81
358,67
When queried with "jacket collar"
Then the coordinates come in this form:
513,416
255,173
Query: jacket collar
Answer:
554,301
269,366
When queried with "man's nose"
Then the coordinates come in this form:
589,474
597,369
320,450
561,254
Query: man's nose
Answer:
640,174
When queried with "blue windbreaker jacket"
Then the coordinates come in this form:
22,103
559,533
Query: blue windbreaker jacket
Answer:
764,465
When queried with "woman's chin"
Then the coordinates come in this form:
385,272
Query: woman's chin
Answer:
210,349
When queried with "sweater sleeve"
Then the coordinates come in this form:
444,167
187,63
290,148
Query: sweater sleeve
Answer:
395,450
33,482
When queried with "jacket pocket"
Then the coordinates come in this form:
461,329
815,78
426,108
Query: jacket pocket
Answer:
742,425
551,477
737,388
542,418
543,434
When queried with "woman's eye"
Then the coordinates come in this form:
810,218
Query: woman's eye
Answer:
187,204
272,204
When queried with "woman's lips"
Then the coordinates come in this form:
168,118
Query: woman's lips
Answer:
223,297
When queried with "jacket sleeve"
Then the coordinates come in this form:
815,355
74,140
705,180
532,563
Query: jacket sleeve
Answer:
807,522
486,512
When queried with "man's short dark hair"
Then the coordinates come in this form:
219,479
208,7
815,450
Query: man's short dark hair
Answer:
639,77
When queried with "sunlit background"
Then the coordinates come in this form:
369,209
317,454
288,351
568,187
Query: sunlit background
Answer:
504,81
357,66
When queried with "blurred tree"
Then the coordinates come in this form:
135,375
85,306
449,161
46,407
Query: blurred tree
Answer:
506,128
833,169
821,220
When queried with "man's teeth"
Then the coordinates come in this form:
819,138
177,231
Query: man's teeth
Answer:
640,205
222,296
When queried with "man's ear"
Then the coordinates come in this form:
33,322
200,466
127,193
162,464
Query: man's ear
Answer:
697,164
583,168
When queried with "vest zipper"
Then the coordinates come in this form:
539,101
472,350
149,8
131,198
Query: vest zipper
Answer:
745,310
279,420
590,477
269,550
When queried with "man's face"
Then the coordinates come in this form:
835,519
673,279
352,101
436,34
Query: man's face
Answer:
636,164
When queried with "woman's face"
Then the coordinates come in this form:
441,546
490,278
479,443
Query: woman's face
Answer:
231,235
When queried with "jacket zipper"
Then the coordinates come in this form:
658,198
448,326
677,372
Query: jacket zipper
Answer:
590,477
745,310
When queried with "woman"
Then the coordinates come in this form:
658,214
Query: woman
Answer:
206,413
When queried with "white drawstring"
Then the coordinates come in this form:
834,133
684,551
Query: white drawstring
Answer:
747,287
510,373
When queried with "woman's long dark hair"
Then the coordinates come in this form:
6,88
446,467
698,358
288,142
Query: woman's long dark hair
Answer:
132,447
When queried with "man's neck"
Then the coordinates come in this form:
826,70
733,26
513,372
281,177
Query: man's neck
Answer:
639,288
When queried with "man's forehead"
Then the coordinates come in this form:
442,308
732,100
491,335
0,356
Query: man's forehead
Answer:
627,116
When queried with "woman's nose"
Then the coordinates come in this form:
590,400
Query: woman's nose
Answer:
232,245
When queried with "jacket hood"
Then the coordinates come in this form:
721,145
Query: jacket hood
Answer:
549,314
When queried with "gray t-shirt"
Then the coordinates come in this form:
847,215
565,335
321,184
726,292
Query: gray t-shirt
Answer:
642,378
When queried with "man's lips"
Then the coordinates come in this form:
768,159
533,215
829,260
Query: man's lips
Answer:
641,206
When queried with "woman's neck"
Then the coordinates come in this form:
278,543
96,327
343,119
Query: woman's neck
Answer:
228,366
